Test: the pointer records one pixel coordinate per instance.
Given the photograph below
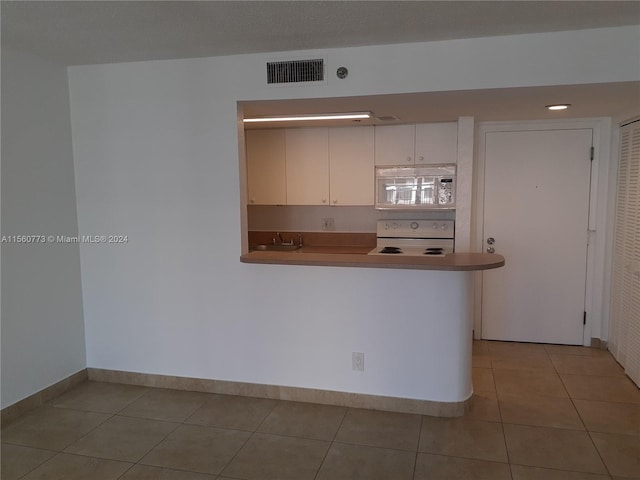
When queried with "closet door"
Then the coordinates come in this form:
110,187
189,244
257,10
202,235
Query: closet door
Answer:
625,293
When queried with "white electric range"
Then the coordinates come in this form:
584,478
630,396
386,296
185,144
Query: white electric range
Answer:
414,237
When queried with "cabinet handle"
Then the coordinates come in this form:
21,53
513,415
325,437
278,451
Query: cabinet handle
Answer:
253,200
421,159
335,201
324,200
408,159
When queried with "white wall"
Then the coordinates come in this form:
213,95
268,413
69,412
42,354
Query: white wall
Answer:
156,158
42,321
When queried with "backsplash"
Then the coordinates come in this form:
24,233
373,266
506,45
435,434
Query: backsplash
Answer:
294,218
324,239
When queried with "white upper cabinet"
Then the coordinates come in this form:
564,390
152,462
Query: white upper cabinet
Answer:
266,180
335,165
436,143
395,145
422,144
351,168
307,166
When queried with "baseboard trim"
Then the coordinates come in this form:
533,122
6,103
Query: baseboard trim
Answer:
10,413
599,343
298,394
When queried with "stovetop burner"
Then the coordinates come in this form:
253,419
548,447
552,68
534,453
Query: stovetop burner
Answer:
434,251
390,250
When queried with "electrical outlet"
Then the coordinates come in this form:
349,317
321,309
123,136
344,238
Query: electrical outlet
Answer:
357,361
328,224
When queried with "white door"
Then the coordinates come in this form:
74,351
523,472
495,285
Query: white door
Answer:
536,210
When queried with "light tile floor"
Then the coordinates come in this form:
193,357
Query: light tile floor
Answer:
540,412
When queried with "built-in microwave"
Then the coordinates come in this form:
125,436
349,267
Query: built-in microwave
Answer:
416,188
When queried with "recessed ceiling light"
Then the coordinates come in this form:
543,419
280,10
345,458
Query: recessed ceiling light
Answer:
311,117
558,106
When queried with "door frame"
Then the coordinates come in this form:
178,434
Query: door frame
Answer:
599,236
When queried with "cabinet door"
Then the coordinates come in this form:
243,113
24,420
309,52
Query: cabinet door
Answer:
351,168
307,166
436,143
394,144
266,167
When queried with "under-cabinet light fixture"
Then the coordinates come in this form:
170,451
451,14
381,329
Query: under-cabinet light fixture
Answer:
311,117
558,106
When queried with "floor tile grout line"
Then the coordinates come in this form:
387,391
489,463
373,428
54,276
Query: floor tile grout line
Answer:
497,462
404,450
332,441
199,425
604,464
101,424
221,472
284,435
460,457
55,454
608,475
90,431
133,401
415,458
585,431
176,469
127,470
253,433
4,442
177,425
41,464
504,434
573,403
568,396
275,405
207,400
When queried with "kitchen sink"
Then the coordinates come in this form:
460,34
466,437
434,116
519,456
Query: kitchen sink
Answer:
277,248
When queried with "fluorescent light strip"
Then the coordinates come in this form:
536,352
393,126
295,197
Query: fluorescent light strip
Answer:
311,117
560,106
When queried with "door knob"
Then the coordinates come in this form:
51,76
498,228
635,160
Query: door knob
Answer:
491,241
491,250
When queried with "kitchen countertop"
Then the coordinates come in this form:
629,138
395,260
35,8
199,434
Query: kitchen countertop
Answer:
356,256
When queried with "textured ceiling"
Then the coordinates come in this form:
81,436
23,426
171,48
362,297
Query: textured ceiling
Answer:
86,32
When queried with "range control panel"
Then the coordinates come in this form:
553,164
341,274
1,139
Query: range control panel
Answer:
416,228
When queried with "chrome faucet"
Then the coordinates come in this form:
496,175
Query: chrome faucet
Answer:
279,240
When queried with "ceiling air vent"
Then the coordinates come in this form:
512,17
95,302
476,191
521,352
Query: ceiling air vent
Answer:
295,71
388,118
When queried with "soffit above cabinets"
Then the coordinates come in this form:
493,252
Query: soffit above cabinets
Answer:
620,100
